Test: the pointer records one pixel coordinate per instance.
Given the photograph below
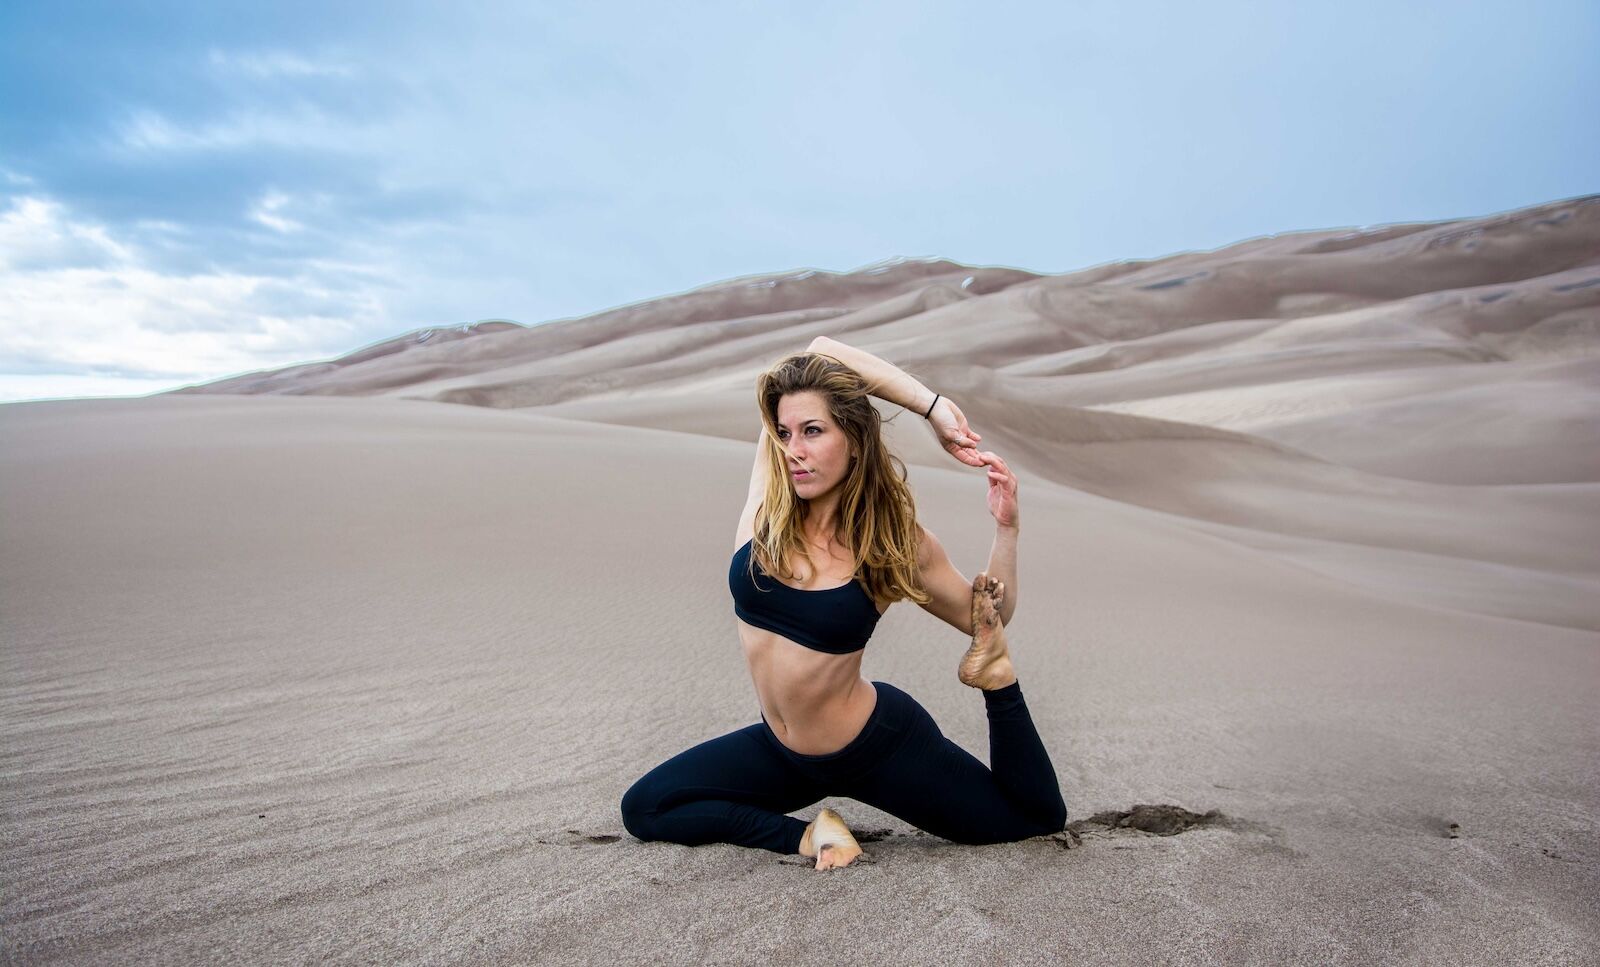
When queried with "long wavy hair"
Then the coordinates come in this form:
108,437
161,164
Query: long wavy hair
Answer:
877,513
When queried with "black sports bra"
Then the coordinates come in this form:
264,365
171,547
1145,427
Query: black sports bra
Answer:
836,620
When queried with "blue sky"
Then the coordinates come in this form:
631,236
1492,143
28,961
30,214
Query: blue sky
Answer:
189,191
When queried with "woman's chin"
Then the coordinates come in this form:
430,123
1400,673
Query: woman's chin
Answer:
811,491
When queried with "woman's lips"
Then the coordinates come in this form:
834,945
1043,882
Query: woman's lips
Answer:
801,473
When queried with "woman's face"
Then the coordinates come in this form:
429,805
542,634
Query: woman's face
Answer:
814,442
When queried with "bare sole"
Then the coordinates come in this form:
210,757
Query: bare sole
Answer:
987,663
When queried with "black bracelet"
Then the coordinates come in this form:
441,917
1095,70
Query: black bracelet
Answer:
930,407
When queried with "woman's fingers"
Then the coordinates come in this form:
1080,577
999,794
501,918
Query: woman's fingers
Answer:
955,435
960,446
994,459
961,418
999,474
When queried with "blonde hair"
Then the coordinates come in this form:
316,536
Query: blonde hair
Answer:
877,512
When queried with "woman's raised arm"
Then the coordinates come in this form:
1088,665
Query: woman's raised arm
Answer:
759,475
892,384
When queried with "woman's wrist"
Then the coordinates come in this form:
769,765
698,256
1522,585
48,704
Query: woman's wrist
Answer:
927,411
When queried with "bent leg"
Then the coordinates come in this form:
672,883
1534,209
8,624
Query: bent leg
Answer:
731,789
935,785
1018,759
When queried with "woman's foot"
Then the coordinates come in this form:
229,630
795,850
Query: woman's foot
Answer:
987,664
830,841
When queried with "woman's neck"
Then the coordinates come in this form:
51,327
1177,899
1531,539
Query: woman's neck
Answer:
821,523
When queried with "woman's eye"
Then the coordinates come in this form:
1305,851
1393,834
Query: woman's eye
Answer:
810,428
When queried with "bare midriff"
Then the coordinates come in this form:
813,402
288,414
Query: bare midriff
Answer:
815,702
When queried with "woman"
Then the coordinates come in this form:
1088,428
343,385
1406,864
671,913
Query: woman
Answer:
828,539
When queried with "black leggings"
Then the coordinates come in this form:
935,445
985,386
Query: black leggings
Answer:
737,787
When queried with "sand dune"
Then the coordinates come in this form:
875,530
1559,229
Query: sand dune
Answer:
353,660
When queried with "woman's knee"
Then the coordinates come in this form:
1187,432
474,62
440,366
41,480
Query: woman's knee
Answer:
1012,829
1056,819
1053,819
639,809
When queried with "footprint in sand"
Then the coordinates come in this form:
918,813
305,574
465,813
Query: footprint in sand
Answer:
577,837
1159,819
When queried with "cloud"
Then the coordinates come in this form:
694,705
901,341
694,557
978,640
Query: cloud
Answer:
34,235
301,127
266,211
274,64
15,387
74,298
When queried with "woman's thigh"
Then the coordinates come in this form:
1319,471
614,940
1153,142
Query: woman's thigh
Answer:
740,766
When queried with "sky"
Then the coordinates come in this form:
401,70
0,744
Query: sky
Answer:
196,190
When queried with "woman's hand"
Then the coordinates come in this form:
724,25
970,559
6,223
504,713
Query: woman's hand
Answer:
951,430
1002,490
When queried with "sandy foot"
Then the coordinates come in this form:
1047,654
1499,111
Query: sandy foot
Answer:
987,663
830,841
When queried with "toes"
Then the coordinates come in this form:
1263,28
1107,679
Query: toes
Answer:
828,858
986,587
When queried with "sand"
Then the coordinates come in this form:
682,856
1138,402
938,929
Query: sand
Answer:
353,661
